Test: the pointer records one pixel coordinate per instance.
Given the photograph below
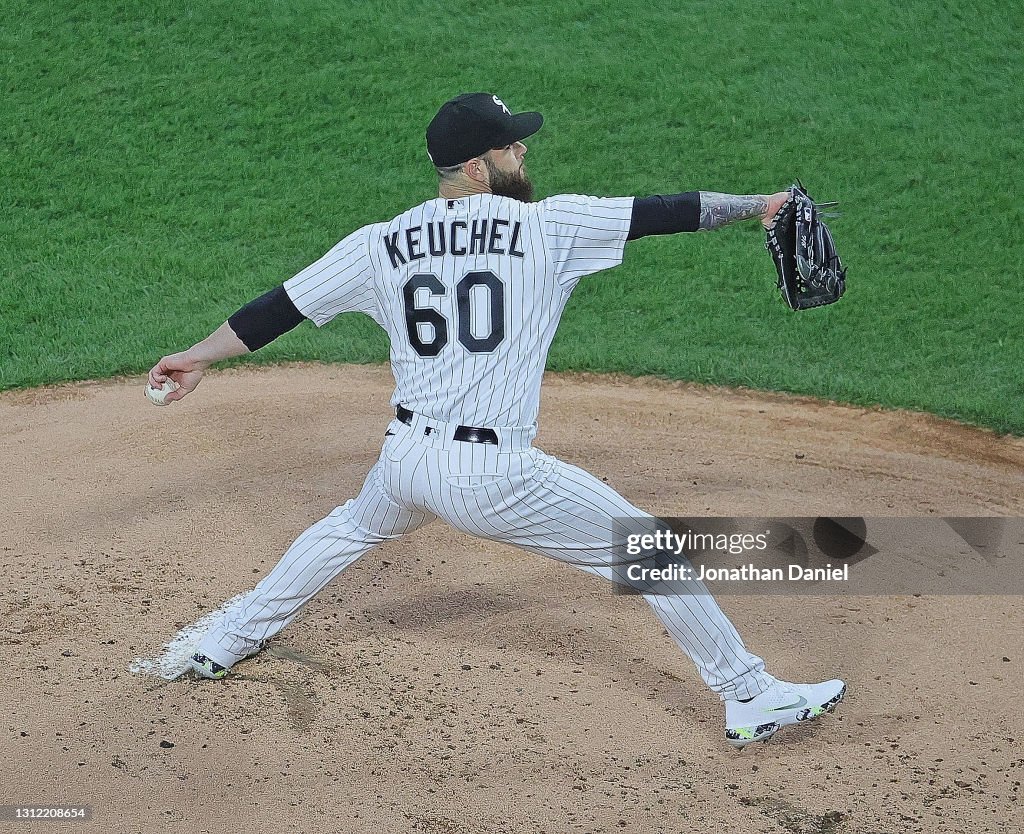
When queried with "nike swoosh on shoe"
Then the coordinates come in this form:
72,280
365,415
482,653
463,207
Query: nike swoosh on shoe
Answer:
801,701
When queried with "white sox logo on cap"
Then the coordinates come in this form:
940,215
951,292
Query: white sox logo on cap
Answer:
501,104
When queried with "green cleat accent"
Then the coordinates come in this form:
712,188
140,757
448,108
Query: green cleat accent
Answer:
207,668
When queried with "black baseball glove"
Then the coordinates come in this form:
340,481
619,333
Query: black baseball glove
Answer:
810,272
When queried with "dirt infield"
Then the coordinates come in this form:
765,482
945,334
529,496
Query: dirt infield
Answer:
444,684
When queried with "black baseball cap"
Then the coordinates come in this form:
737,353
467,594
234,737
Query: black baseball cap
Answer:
472,124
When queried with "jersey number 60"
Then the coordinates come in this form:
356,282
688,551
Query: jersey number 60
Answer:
415,316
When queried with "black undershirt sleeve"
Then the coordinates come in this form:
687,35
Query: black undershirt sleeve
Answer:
262,320
665,214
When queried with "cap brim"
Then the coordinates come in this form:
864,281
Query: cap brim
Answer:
525,124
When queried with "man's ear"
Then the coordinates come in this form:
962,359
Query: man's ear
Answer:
477,171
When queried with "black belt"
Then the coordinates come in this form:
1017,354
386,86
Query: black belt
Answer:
467,434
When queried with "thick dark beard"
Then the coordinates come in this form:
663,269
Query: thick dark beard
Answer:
517,185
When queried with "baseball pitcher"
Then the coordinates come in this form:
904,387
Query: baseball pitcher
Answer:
470,287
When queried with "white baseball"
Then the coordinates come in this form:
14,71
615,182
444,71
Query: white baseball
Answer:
158,396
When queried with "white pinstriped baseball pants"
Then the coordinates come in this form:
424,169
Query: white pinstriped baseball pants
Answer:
511,493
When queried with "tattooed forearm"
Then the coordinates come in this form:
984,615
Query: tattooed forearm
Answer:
718,209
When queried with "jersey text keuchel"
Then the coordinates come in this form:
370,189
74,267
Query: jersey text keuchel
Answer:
484,236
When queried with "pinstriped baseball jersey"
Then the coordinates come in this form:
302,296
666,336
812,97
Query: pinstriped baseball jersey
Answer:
470,292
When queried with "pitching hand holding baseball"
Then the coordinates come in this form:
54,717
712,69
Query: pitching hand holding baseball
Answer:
181,371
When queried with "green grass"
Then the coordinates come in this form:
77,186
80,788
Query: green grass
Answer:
162,163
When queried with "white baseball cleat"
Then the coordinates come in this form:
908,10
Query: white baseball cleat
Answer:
206,667
779,706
